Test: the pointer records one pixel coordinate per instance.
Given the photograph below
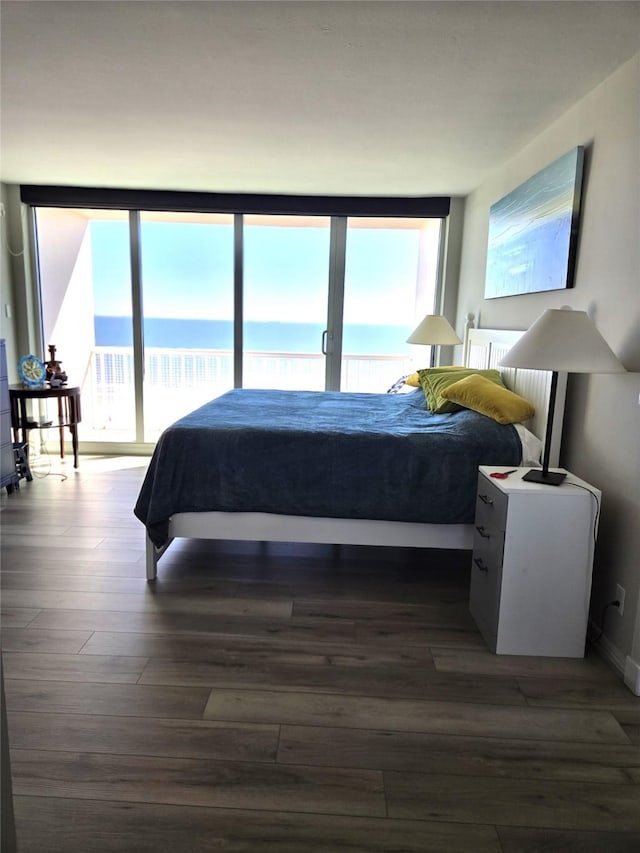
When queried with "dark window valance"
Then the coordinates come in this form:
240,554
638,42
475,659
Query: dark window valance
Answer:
201,202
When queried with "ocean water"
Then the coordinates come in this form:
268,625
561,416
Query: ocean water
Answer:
358,339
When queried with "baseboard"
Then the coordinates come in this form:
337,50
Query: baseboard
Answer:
632,675
611,654
606,649
628,668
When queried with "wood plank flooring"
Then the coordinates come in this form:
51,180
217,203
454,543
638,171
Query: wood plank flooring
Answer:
280,698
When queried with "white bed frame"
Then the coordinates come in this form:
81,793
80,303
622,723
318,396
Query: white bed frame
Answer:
483,348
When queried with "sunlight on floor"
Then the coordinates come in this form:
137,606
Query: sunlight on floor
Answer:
112,463
45,465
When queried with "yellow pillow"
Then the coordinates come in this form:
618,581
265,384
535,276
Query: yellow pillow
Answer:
413,379
436,379
480,394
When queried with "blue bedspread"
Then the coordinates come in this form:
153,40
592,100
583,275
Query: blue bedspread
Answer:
338,455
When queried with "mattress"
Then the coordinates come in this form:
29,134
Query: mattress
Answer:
325,454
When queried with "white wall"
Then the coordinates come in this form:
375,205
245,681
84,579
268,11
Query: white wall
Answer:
602,431
7,301
22,327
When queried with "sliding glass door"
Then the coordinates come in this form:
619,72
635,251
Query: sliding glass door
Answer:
390,283
187,275
285,288
85,285
155,313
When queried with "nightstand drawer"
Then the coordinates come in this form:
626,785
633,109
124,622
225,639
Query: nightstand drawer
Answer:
486,582
491,506
7,458
5,405
488,545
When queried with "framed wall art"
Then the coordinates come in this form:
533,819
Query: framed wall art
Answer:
533,231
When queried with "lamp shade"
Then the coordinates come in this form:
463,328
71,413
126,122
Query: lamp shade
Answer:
434,330
566,341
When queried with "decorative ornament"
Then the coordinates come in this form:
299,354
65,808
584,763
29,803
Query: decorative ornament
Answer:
31,370
55,374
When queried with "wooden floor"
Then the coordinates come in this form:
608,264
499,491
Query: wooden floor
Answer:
284,698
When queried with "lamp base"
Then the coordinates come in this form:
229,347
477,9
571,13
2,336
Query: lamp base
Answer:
550,478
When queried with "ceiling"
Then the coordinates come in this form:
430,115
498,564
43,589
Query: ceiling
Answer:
331,98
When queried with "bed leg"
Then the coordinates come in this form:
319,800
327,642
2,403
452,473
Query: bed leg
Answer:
152,556
151,560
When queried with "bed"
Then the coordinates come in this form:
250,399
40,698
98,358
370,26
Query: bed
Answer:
323,467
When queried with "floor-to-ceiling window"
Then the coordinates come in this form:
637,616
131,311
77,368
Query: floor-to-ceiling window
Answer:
86,297
154,312
187,289
390,283
285,293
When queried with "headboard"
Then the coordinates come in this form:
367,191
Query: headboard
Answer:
484,348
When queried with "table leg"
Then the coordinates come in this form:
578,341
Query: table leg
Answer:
61,420
20,431
74,443
74,417
23,421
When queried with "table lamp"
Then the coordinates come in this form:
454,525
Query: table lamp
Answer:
434,330
566,341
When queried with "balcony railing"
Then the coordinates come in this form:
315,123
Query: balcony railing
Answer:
179,380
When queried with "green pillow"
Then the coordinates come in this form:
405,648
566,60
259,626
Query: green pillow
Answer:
414,378
434,380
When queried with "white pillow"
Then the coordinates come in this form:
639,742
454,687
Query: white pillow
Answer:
531,447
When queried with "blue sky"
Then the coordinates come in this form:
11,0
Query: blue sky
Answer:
188,272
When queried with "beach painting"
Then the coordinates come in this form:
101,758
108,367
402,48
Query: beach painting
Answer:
533,231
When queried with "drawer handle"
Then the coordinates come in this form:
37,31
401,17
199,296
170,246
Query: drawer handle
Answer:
486,500
482,532
480,564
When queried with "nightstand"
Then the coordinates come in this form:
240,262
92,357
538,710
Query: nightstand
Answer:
532,561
